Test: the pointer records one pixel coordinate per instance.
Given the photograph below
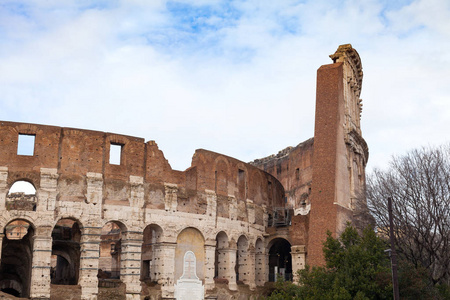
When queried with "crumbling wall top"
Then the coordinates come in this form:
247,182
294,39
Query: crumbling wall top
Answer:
348,55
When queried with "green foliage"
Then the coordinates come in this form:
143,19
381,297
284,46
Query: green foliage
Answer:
356,268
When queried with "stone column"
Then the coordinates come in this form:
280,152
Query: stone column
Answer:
251,211
90,251
222,263
155,272
167,269
266,275
250,270
170,199
210,255
94,193
130,264
298,254
48,190
1,245
232,202
261,269
136,191
211,199
230,272
3,185
243,265
40,272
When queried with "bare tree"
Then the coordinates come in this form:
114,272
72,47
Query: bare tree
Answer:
419,185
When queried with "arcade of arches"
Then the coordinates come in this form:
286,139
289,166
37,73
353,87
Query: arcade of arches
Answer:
244,262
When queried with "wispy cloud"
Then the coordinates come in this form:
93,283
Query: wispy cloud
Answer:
237,77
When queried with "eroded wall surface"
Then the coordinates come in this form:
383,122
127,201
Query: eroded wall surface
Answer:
75,180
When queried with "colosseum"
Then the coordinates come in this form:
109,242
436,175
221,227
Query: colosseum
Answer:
104,210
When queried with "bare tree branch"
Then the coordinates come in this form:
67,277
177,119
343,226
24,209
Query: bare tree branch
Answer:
419,185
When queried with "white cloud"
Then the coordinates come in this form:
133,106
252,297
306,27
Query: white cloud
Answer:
236,77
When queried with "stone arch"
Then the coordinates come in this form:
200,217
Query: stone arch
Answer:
31,177
66,252
16,257
151,253
21,195
190,239
280,259
111,249
7,218
24,180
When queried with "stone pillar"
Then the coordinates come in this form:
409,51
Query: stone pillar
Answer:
250,270
90,251
137,191
48,190
266,275
155,271
167,269
298,254
222,263
261,270
210,255
230,272
94,193
170,199
232,202
265,216
3,185
1,245
130,264
211,200
243,265
251,211
40,272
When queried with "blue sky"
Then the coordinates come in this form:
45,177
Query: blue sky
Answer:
235,77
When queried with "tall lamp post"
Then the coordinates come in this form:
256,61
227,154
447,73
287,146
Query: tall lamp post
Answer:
393,253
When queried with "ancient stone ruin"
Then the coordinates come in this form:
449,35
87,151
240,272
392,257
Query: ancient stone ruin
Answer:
107,210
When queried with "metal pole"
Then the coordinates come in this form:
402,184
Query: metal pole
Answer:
393,252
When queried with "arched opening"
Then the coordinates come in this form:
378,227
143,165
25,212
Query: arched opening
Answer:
110,251
65,259
242,263
21,196
280,260
259,263
190,239
220,262
16,259
150,262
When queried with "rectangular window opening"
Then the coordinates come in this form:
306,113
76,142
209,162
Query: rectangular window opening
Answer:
297,173
115,154
25,146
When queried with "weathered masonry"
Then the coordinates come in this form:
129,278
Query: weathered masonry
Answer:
105,209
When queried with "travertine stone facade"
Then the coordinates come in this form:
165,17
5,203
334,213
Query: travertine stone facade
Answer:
93,221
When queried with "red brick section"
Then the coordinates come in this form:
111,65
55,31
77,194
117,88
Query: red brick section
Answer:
328,139
75,152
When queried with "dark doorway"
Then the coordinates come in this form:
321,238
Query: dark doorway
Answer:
17,254
280,260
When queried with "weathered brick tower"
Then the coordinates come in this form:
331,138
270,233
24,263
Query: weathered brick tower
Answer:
340,152
324,177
